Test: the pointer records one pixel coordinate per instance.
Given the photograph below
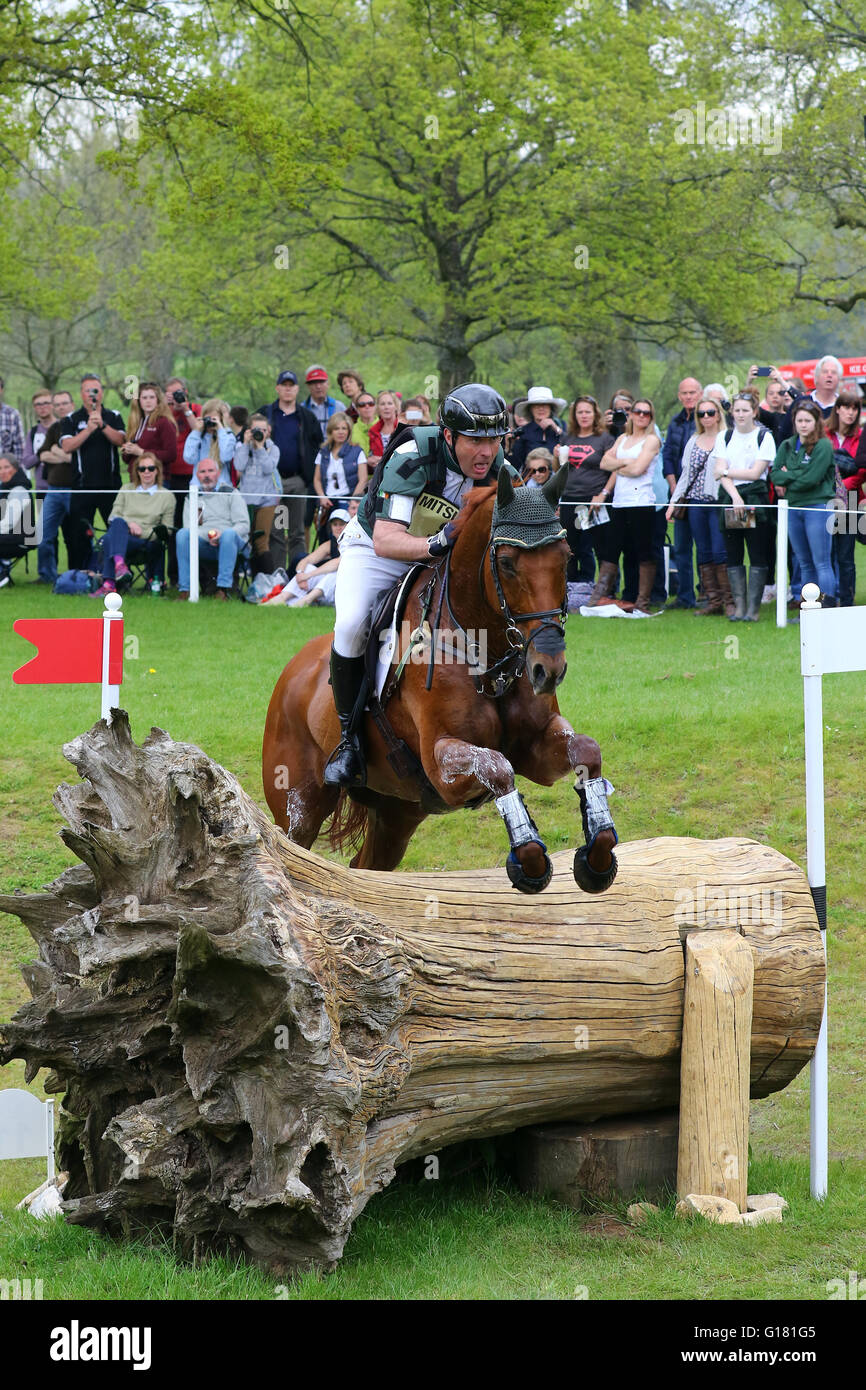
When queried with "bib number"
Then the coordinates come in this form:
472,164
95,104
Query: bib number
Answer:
430,513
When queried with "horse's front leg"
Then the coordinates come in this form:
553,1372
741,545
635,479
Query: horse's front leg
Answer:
462,772
548,757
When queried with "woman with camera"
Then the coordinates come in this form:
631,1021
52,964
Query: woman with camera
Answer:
212,436
151,428
581,452
616,416
744,455
256,463
631,496
805,473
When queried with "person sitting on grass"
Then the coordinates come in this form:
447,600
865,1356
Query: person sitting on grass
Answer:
16,515
138,509
315,579
223,530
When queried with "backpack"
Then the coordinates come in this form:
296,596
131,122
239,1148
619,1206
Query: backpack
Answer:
76,582
762,433
425,436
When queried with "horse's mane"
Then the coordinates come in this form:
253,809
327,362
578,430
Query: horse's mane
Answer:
471,502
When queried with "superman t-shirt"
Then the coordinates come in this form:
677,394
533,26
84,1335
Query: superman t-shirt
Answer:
585,453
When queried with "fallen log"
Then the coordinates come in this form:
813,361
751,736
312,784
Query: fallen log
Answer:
250,1037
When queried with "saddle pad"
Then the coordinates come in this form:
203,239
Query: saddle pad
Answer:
384,634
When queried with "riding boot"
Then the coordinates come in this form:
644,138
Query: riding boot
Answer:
725,590
646,575
757,580
737,581
713,592
608,574
828,601
346,766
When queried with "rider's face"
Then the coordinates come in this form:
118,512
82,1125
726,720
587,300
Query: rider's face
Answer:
473,455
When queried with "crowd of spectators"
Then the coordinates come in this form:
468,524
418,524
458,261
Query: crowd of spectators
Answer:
278,482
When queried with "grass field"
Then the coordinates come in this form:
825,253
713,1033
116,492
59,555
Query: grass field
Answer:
700,723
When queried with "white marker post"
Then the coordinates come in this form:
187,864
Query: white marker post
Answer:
782,564
830,640
193,541
110,693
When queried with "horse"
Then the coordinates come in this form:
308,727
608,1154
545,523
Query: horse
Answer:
454,732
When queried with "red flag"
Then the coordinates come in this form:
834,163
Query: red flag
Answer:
69,651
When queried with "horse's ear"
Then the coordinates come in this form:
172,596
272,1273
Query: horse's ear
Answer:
504,488
555,486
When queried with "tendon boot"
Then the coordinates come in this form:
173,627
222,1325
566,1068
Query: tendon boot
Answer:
608,574
713,592
757,580
346,766
737,581
725,590
646,576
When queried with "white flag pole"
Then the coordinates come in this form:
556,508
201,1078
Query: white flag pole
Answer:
110,693
813,720
782,564
193,541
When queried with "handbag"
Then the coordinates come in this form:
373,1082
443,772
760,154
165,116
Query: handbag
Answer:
745,521
679,513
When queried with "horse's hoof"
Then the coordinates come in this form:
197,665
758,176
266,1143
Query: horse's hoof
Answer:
521,880
587,878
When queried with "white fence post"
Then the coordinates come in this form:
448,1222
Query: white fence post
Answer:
110,693
782,564
193,541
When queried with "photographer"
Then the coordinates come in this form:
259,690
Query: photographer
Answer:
92,435
183,411
616,416
257,462
212,437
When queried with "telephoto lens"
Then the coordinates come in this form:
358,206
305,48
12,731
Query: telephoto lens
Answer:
258,435
178,396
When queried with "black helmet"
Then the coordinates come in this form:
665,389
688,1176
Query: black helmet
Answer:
475,410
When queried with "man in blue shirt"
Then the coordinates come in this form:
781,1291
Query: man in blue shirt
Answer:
295,431
318,401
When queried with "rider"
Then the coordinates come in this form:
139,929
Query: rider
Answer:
424,481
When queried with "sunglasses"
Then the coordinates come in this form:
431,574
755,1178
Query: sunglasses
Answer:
637,411
707,414
539,470
361,404
146,468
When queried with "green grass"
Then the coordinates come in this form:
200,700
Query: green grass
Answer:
701,735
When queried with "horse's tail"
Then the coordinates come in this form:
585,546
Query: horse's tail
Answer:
348,826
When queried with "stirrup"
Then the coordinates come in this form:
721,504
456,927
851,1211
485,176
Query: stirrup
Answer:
346,766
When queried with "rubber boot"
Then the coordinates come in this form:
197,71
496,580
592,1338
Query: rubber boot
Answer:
737,581
829,602
757,580
346,766
646,576
608,574
713,592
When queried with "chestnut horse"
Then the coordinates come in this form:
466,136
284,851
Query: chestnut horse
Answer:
470,733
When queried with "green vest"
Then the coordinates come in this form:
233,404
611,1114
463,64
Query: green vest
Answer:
421,469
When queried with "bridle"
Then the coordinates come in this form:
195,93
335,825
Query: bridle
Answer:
503,673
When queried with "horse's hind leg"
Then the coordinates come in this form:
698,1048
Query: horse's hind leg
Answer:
391,823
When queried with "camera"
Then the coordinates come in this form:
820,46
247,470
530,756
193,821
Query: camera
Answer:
619,419
210,423
94,396
258,435
178,396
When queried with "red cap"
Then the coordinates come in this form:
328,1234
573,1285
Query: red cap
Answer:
316,374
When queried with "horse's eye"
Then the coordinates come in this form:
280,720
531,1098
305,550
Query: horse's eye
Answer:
508,566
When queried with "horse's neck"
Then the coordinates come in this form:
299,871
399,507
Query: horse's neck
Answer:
466,592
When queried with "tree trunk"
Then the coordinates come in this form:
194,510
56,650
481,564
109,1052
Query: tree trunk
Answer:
251,1037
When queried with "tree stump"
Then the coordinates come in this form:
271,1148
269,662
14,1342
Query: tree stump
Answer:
250,1037
635,1155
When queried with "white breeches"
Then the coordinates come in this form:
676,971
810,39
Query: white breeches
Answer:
360,579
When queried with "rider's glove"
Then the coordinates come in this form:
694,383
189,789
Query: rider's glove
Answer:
442,542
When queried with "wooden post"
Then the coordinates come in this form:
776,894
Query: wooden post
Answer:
713,1155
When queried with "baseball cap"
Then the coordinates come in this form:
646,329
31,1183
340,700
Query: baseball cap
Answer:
316,373
287,376
339,514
